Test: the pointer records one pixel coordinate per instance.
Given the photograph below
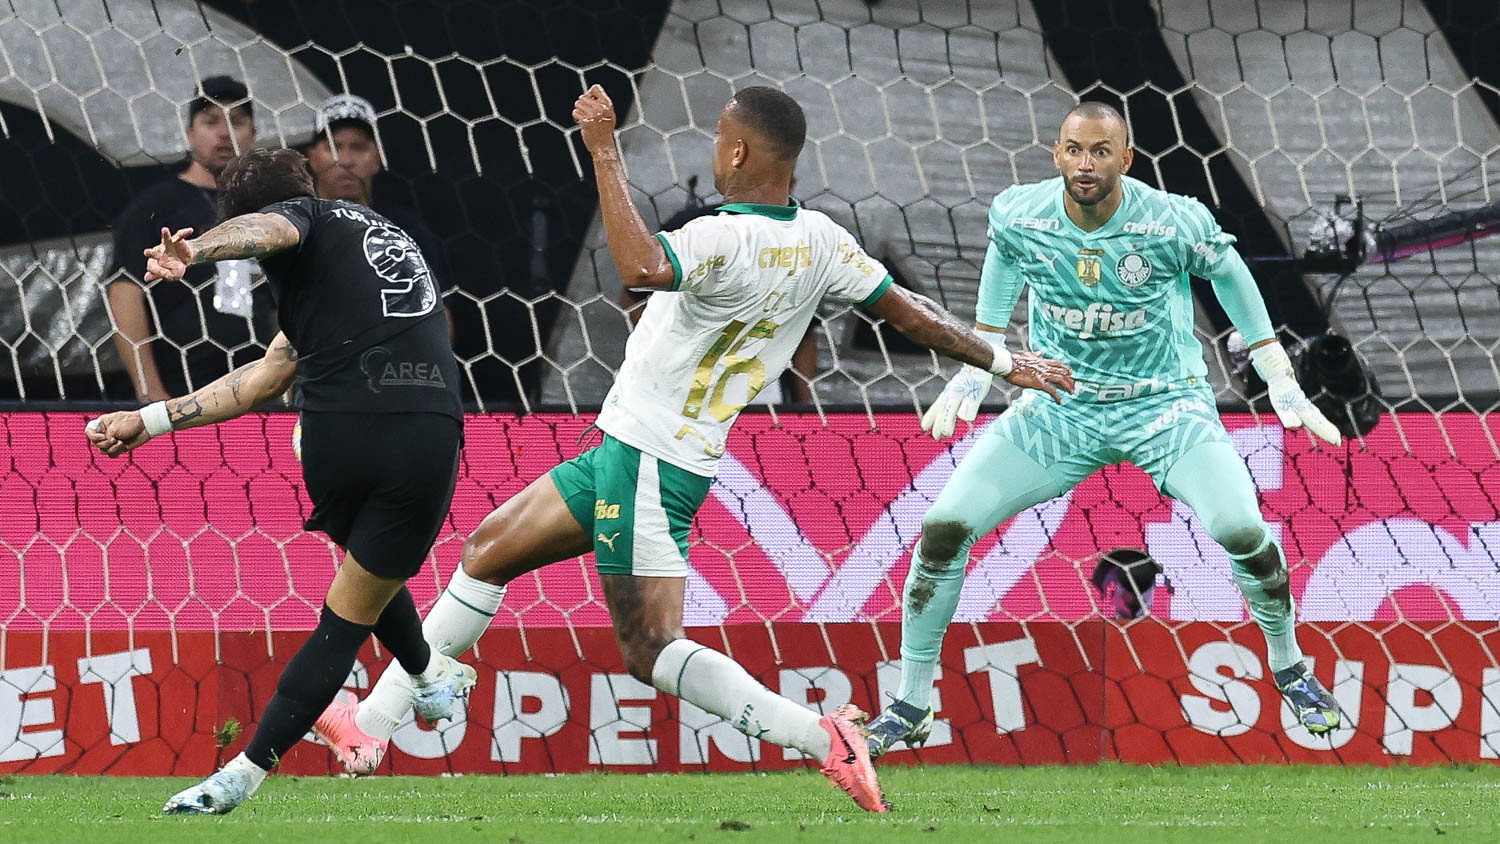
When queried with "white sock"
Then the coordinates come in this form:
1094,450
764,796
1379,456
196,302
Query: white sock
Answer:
380,713
715,683
460,616
462,613
256,773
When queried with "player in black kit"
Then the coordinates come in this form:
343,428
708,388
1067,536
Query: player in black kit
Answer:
365,339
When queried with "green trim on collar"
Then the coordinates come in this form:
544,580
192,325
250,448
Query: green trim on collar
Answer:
879,291
671,256
775,212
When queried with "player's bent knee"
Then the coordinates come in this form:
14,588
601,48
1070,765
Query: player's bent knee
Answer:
942,540
641,650
1240,539
481,547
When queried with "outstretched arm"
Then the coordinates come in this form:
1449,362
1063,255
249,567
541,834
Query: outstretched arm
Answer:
927,324
236,394
245,236
924,322
640,258
1237,292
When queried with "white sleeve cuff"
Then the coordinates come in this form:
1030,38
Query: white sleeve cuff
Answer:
1004,362
156,419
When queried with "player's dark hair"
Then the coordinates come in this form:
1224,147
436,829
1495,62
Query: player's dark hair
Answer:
261,177
773,115
1096,110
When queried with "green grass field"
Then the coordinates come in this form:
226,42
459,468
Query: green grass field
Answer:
1073,804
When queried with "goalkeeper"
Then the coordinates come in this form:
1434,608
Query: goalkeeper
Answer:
1107,259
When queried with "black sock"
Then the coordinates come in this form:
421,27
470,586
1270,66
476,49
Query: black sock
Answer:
308,684
399,628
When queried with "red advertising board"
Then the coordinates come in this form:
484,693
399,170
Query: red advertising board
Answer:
554,701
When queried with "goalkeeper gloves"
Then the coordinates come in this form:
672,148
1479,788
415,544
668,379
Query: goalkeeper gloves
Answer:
1292,406
962,396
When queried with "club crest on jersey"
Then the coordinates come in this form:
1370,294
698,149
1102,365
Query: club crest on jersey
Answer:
1090,268
1133,269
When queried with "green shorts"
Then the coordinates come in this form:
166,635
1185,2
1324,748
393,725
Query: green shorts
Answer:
1074,439
638,508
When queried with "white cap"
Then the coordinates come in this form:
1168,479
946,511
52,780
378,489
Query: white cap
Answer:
344,107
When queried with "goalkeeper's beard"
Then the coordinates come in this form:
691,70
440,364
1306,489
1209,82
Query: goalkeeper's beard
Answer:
1102,189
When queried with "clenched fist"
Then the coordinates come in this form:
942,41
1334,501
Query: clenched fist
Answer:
595,115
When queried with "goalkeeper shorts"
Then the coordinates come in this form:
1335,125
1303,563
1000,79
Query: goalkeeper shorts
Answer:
637,508
1074,439
381,484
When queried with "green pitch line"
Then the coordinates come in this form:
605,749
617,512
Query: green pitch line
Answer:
1111,803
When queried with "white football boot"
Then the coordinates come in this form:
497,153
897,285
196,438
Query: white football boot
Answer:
230,786
436,698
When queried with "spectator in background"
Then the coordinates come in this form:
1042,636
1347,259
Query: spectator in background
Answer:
344,157
795,384
175,336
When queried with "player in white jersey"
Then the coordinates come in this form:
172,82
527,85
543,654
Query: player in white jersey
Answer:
736,292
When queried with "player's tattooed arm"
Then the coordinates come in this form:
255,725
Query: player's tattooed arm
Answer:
925,322
245,236
239,392
236,394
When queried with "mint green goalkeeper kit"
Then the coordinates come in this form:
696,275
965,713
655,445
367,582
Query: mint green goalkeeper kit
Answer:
1115,305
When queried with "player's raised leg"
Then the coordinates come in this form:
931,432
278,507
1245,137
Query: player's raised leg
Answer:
976,499
634,512
640,509
1212,479
647,614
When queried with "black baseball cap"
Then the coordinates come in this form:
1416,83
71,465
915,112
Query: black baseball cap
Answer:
223,92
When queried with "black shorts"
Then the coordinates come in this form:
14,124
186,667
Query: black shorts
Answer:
381,484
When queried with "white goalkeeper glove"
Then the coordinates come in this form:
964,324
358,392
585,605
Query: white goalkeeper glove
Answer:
1292,406
962,396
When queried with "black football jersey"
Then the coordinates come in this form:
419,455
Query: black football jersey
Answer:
357,300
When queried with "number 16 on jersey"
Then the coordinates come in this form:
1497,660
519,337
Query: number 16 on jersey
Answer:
726,347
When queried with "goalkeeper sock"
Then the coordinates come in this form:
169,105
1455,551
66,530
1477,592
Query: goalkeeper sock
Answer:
916,681
399,628
1270,601
460,616
715,683
307,685
927,606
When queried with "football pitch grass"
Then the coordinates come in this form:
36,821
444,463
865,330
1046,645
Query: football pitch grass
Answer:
1114,803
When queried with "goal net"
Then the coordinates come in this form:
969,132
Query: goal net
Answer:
147,604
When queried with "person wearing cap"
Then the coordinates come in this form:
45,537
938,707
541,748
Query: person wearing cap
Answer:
344,156
173,336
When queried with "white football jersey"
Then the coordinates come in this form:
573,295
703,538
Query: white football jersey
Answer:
746,284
